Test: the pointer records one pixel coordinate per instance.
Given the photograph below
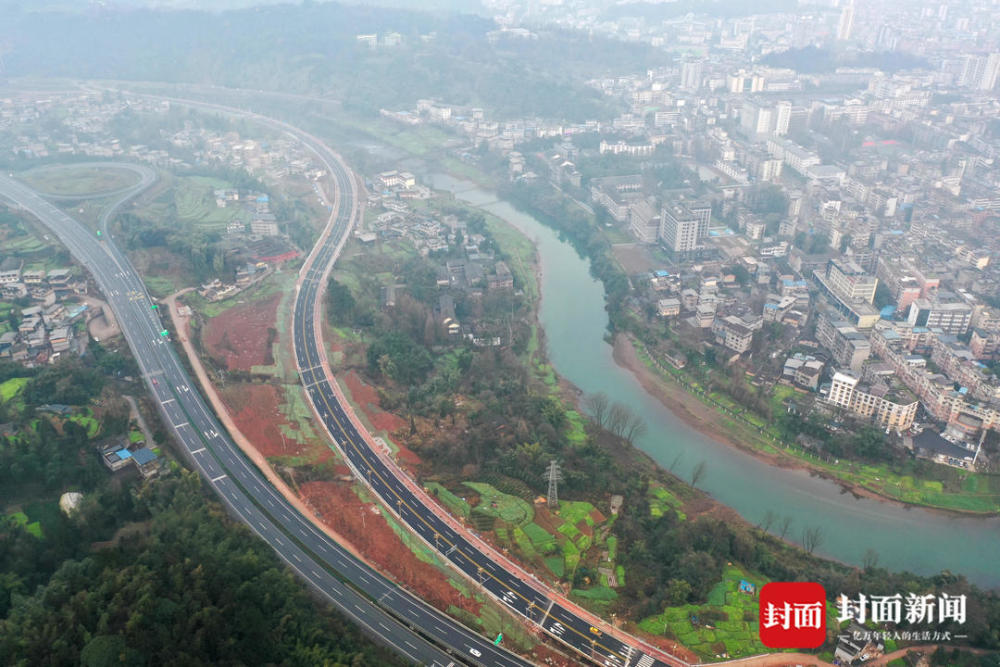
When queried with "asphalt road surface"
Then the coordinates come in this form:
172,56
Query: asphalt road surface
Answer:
511,589
225,466
532,602
414,629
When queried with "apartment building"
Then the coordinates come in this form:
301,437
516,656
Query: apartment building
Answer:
889,408
682,227
950,317
851,281
846,344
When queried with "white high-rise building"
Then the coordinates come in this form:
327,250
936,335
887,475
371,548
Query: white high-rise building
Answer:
991,72
756,119
846,25
972,71
782,117
691,72
681,227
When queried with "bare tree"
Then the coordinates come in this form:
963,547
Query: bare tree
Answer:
618,418
677,459
870,559
636,428
812,537
697,473
598,405
786,523
767,521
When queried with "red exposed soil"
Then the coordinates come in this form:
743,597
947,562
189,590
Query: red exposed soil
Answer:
544,655
365,396
255,409
545,519
241,336
344,512
667,645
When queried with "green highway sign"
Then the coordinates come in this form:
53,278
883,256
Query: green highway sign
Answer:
153,307
496,642
164,333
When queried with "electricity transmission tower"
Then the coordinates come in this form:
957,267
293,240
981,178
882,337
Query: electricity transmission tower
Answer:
554,475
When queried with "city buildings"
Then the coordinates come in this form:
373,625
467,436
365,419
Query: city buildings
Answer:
889,408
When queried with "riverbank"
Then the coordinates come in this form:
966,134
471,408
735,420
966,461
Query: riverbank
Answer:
694,412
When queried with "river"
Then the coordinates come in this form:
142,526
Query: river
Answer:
573,317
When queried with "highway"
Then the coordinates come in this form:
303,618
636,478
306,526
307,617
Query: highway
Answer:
502,580
404,622
516,590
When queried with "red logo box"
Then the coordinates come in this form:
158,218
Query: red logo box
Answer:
792,614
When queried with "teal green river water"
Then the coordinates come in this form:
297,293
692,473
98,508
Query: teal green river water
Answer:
575,322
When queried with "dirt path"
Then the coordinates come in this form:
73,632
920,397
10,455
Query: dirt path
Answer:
137,416
181,326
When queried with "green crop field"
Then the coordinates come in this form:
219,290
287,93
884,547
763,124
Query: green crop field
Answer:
508,508
523,543
86,420
660,500
450,500
12,388
695,625
79,180
570,531
556,565
23,244
574,512
195,202
541,539
612,544
575,431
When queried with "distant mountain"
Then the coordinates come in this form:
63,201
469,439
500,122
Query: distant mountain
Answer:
314,48
462,6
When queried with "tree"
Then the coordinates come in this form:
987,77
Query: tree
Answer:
819,243
398,357
812,537
678,592
341,303
698,473
767,521
741,274
636,428
784,525
869,443
618,417
598,405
